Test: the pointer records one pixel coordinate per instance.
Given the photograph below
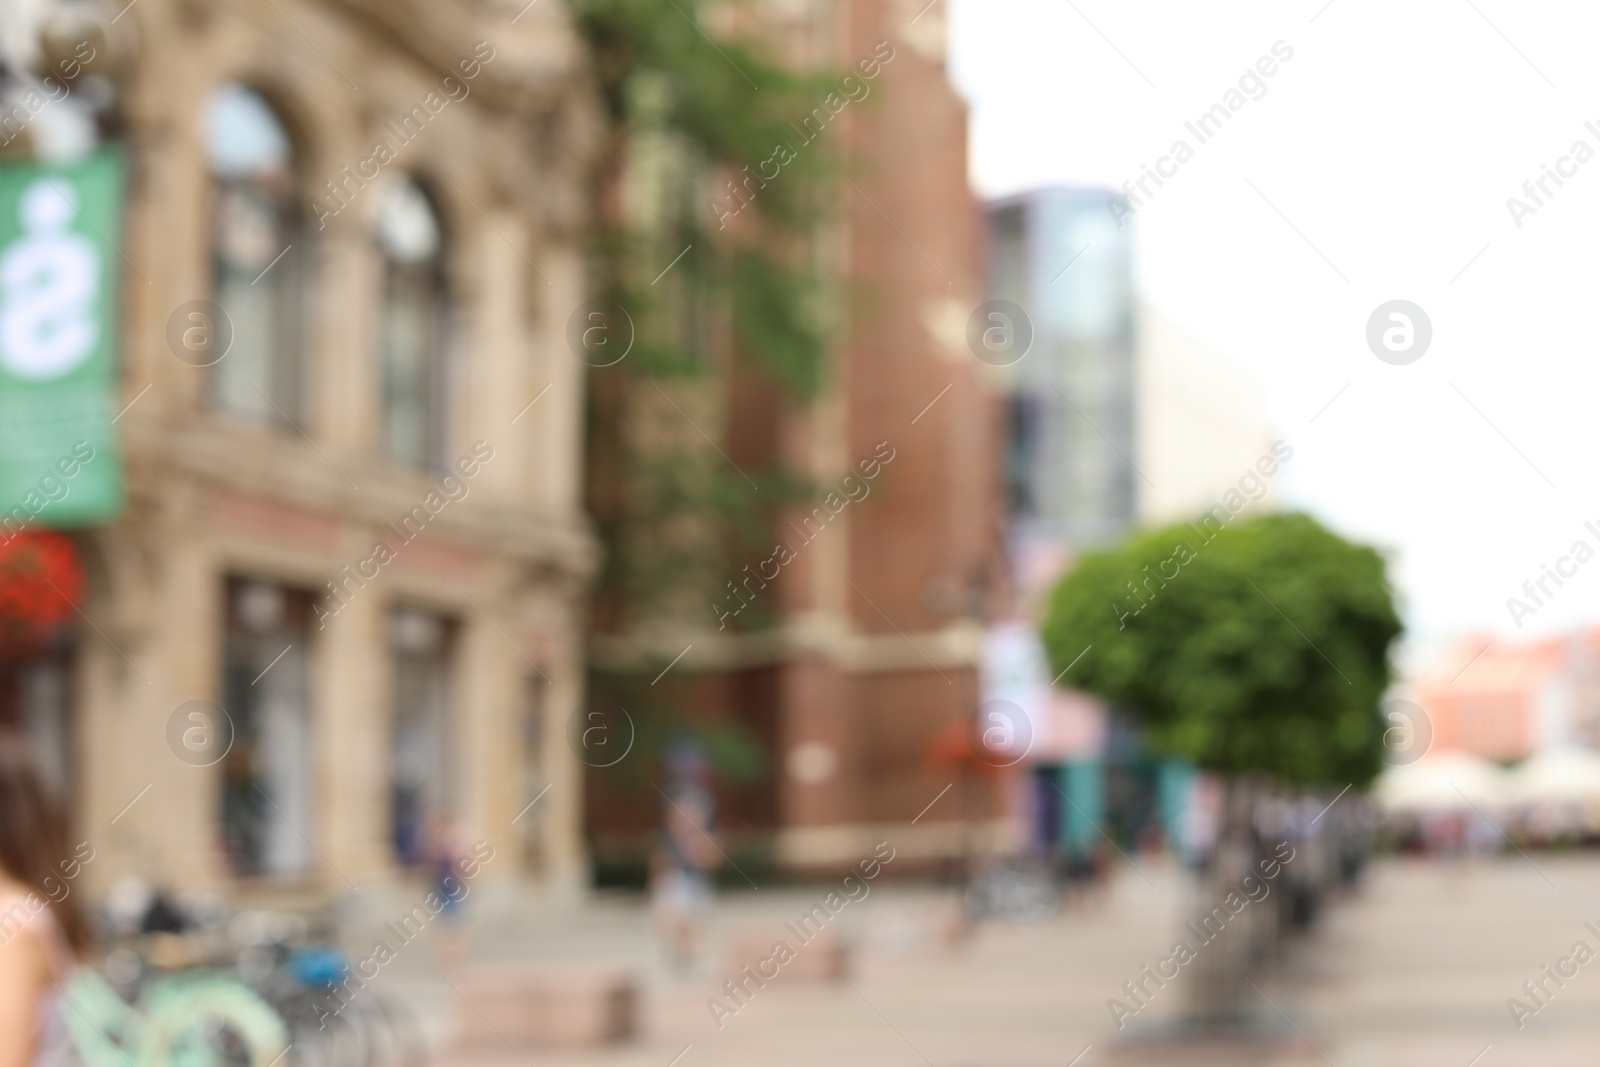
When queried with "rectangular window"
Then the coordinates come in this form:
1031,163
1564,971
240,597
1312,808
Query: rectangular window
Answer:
414,326
36,704
423,779
268,818
253,336
533,776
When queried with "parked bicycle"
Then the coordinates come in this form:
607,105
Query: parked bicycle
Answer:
187,958
330,1023
192,1019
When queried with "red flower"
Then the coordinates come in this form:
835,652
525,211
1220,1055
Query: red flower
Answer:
41,582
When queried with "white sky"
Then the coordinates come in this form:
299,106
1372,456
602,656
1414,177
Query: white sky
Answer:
1391,141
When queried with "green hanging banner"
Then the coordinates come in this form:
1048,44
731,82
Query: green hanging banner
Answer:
59,291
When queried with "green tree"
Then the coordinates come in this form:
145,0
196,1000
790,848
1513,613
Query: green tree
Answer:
696,107
1259,651
692,123
1258,647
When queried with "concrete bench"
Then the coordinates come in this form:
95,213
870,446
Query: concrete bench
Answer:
577,1006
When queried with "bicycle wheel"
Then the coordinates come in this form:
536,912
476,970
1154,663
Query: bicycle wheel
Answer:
346,1041
316,1038
206,1020
390,1034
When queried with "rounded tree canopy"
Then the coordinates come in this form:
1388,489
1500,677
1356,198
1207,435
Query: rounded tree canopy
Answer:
1262,645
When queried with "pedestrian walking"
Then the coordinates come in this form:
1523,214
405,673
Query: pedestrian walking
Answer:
446,855
686,853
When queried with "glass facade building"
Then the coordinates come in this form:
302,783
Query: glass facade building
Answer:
1070,466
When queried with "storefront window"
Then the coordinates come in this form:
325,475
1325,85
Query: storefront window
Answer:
35,704
422,768
268,821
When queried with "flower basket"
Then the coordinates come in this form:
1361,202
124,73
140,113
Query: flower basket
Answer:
41,582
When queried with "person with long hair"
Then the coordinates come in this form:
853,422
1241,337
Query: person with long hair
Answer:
41,931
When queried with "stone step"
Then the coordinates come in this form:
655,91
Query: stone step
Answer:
569,1006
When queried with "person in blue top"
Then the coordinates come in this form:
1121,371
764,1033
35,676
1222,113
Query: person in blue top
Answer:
686,852
446,853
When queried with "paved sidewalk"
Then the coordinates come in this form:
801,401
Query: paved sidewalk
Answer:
1420,968
1415,970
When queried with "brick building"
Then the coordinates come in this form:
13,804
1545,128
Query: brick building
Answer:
879,602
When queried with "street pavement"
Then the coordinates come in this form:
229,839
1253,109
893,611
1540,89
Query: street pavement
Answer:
1413,969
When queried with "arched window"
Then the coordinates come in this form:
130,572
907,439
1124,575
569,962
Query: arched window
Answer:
414,325
258,256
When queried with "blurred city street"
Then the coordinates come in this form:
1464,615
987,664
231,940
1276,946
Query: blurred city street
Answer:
884,532
1413,970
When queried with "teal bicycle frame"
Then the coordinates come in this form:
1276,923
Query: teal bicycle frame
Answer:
173,1024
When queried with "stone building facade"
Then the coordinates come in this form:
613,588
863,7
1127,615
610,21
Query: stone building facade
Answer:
341,606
